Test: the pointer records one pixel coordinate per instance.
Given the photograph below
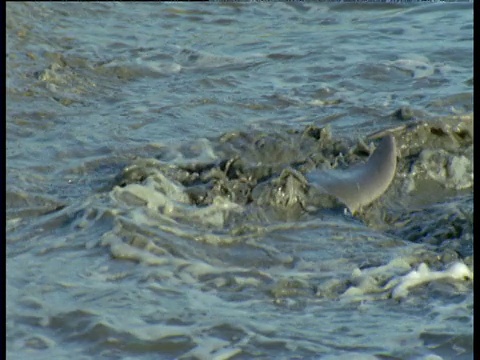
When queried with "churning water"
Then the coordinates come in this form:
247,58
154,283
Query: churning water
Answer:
156,198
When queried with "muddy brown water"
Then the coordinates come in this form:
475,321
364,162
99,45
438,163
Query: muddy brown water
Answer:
158,197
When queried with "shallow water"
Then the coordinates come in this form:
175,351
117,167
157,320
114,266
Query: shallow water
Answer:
147,215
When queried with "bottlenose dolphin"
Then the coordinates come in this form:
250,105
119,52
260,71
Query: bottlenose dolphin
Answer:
360,184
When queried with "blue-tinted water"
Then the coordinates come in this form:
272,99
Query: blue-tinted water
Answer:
93,86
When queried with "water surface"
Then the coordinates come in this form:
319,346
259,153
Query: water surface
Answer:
119,114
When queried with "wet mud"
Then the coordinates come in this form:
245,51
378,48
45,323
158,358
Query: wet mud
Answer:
243,177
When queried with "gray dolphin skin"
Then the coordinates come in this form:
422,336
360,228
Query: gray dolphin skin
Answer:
359,185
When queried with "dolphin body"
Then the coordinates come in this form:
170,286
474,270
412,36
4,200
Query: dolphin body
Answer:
359,185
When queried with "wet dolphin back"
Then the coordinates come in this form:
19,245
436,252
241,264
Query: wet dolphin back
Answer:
359,185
